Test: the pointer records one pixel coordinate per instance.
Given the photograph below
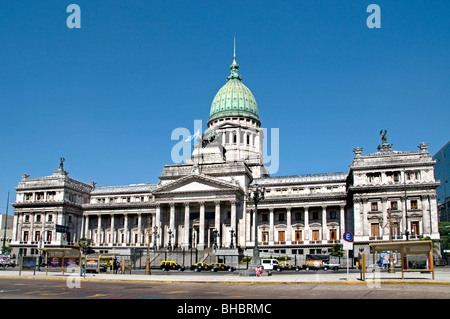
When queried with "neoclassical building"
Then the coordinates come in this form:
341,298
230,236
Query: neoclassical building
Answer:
387,195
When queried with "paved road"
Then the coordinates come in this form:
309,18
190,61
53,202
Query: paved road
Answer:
21,288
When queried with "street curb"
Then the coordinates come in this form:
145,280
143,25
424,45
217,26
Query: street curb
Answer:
412,282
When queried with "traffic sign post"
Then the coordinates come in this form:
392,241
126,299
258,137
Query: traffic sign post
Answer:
348,245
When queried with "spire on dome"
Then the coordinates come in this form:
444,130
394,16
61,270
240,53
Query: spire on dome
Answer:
234,67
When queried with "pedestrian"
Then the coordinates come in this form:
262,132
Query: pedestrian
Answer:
121,267
115,265
258,271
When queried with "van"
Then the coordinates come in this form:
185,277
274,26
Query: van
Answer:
267,264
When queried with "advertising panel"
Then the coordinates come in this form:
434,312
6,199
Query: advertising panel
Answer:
71,262
5,259
385,258
92,264
54,262
417,262
28,262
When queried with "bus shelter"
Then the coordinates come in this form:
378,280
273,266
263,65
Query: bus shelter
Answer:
62,259
416,256
98,262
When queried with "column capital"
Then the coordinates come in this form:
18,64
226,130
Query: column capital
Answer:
187,204
217,202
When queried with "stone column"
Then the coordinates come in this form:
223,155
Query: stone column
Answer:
271,226
342,221
172,224
324,224
434,231
86,228
306,218
426,222
113,239
217,222
186,225
288,226
404,208
384,208
201,239
158,224
99,229
125,229
139,237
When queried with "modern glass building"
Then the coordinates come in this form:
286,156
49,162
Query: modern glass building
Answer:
441,172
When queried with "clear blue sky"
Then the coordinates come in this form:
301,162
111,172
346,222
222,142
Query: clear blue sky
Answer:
108,96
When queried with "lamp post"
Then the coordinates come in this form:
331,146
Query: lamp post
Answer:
149,232
231,235
169,246
215,234
256,194
391,224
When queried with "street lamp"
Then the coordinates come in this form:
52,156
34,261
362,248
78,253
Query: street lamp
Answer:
169,246
231,235
256,194
215,234
149,232
391,223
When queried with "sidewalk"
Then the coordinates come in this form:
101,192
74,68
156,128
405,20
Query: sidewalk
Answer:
442,276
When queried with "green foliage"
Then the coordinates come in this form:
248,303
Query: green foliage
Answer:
444,231
337,251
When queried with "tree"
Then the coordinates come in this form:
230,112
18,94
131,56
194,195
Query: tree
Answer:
337,250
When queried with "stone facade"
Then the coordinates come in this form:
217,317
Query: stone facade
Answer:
203,203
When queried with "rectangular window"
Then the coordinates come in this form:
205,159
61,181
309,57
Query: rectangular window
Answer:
281,236
415,228
25,235
414,204
315,235
265,236
333,234
374,206
281,217
394,206
375,230
265,217
298,235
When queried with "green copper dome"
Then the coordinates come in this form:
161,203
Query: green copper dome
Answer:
234,98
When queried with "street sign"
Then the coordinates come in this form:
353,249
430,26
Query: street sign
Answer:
347,245
348,236
62,229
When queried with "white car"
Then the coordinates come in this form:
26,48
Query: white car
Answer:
267,264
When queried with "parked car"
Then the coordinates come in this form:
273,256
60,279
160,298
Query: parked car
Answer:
222,267
319,262
201,266
285,266
267,264
167,265
326,266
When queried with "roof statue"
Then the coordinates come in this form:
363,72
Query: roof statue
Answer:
383,133
60,169
61,163
385,146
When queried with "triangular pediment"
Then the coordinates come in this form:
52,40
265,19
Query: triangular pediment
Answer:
197,183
